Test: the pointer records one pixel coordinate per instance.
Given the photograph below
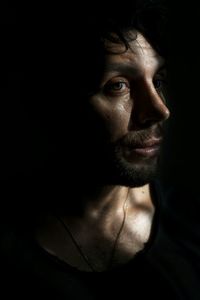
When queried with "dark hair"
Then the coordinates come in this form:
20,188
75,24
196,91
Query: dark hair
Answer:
65,51
101,21
146,16
62,60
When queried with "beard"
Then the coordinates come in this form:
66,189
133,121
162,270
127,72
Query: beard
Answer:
92,161
131,174
110,165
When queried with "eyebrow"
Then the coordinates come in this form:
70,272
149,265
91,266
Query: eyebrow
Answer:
123,68
129,69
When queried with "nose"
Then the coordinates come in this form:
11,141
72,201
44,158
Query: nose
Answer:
149,107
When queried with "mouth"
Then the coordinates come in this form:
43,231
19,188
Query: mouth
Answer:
146,149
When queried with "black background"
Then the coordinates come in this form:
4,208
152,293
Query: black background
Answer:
183,161
24,137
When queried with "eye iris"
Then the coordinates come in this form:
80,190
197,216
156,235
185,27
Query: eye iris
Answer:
158,83
117,85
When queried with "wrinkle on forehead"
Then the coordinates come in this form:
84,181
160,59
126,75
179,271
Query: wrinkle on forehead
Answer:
140,50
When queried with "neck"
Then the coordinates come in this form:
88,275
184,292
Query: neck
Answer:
115,222
110,198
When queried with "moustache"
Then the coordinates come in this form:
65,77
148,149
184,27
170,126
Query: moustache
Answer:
143,138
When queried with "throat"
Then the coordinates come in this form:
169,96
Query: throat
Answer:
94,246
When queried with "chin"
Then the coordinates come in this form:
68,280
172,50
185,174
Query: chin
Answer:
134,174
113,168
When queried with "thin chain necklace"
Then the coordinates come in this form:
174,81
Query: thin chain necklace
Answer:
79,247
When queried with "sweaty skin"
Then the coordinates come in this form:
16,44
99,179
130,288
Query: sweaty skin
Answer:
130,103
136,102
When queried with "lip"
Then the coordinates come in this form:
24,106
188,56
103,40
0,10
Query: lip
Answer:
148,151
148,148
149,143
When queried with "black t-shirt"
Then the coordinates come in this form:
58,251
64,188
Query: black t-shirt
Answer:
167,268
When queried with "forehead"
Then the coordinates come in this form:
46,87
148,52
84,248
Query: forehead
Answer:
140,52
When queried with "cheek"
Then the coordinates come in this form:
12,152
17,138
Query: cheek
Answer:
114,113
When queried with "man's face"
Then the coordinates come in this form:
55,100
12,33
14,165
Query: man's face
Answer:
129,107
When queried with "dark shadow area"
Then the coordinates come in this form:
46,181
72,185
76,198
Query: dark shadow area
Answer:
28,76
40,142
182,151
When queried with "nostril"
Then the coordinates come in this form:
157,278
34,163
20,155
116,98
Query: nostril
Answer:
150,116
147,124
148,109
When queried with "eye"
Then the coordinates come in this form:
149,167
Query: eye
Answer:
117,87
158,83
160,80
